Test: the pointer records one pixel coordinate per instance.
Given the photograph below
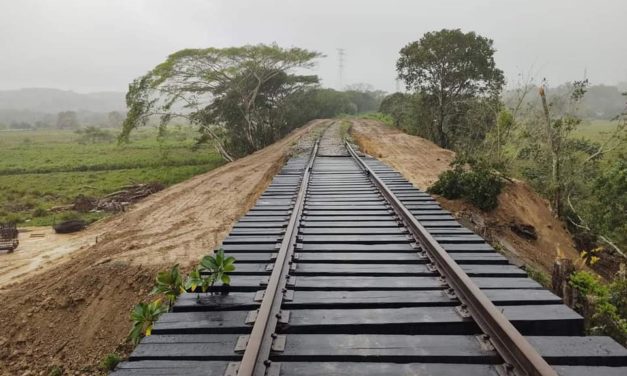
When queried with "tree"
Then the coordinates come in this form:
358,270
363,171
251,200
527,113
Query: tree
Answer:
408,112
557,132
449,67
67,120
238,96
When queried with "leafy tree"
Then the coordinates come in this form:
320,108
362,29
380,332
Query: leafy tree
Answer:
238,96
67,120
409,113
449,67
398,106
364,97
605,213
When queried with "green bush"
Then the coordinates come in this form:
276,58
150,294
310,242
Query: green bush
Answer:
479,186
482,188
603,304
40,211
449,184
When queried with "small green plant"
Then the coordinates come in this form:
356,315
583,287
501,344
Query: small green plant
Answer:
212,269
109,362
169,283
538,276
144,316
55,371
218,266
195,279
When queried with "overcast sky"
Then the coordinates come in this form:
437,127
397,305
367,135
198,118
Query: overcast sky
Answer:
98,45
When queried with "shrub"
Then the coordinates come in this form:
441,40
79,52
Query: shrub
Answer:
479,186
55,371
13,218
109,362
482,188
603,304
449,184
39,212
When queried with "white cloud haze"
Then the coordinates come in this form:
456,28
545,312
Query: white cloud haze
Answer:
97,45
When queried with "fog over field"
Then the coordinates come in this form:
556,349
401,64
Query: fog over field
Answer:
101,45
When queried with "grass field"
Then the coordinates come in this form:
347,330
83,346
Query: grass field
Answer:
595,130
47,168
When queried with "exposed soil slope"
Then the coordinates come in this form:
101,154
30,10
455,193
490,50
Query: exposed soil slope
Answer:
421,161
74,312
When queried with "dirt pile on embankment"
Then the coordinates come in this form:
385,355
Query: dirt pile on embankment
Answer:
75,312
421,161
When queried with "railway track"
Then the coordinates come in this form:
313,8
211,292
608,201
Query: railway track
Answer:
344,268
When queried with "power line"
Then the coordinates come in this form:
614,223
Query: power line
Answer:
341,53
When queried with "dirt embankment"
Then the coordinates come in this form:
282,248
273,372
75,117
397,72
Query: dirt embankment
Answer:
72,311
421,161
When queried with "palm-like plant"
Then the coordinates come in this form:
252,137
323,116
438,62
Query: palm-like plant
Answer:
144,316
169,283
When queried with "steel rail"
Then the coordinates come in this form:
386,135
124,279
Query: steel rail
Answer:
519,356
256,355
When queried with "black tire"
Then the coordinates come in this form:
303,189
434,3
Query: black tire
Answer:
68,227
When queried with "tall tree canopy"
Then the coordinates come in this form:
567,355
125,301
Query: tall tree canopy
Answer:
239,97
452,70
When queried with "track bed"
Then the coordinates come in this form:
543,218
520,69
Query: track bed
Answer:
356,293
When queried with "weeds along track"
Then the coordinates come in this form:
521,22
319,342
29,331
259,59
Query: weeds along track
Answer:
344,268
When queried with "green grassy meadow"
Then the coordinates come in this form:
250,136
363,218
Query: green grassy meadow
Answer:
46,168
596,130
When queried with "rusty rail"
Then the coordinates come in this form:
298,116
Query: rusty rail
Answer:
519,356
255,358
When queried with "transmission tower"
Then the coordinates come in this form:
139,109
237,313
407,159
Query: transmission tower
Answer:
340,53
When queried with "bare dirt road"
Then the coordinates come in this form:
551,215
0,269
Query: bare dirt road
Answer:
421,161
74,310
40,249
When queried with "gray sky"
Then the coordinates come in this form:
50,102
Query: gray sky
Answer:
94,45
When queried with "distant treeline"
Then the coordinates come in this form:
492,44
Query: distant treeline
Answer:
72,120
